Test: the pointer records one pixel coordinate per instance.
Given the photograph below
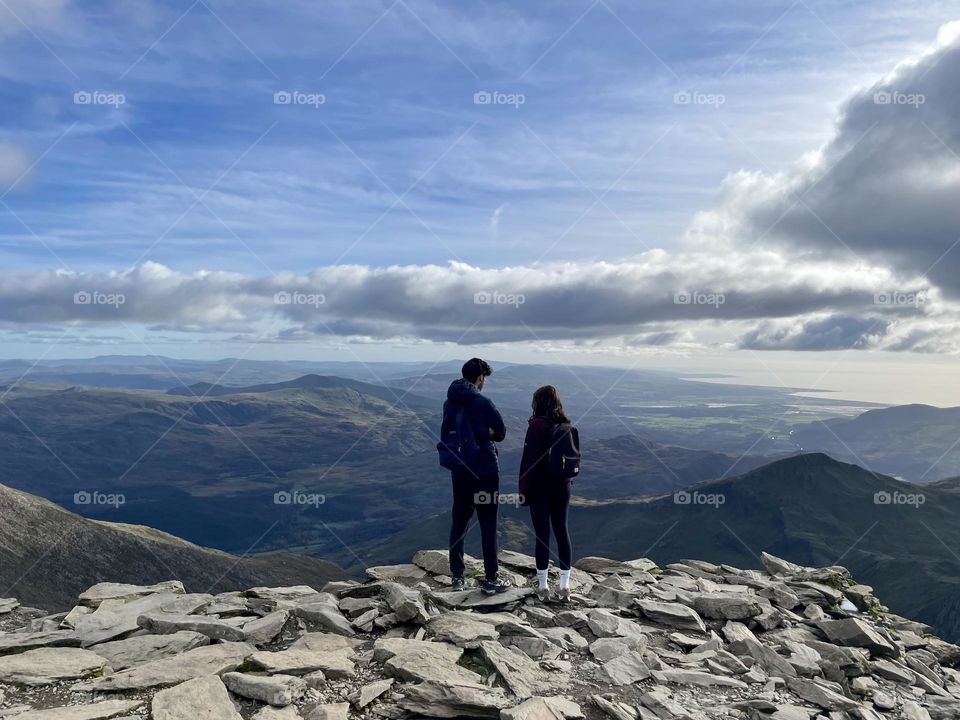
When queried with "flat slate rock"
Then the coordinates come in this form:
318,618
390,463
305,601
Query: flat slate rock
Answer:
431,699
203,698
17,642
98,711
49,665
279,690
460,628
121,591
301,661
167,624
123,654
199,662
8,605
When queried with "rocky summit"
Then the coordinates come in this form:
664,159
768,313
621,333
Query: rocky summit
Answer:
689,641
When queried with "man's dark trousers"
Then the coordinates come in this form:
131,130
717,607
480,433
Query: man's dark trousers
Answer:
481,494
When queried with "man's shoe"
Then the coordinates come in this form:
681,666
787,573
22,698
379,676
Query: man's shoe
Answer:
459,584
492,587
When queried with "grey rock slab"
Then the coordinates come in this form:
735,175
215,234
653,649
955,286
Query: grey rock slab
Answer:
17,642
331,711
430,661
115,619
535,708
406,602
854,632
201,661
727,606
624,670
521,674
98,711
432,699
406,574
326,615
606,649
121,591
604,623
696,677
388,647
203,698
327,642
476,599
616,710
44,666
123,654
792,712
461,629
671,614
8,605
265,629
302,660
166,624
289,712
820,695
892,671
570,639
291,592
370,692
279,690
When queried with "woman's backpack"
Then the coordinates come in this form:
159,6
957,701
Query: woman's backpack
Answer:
458,446
563,461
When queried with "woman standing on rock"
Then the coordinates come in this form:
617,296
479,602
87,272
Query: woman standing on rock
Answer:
551,461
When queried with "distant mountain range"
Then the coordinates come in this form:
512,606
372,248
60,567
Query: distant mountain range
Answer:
49,555
919,443
902,539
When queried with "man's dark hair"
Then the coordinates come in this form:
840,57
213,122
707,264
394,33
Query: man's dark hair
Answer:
474,368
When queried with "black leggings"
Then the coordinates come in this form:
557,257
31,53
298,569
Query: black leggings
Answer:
548,507
480,495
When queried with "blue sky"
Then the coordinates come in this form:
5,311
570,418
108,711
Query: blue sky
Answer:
623,135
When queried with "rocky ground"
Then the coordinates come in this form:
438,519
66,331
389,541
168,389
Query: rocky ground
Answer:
686,642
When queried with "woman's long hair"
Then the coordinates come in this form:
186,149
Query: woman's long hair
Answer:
546,404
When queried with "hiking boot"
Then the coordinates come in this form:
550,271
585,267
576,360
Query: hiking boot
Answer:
492,587
543,594
563,595
458,584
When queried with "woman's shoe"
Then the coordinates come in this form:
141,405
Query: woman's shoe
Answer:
543,594
563,595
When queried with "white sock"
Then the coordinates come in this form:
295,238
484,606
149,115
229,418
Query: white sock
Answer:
542,579
564,579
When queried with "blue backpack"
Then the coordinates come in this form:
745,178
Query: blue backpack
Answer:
458,446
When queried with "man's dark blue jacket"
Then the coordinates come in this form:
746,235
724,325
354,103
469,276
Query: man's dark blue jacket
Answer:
484,418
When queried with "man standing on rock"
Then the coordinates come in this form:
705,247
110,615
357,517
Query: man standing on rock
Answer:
476,483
